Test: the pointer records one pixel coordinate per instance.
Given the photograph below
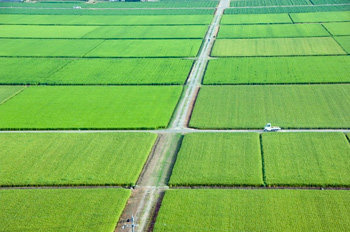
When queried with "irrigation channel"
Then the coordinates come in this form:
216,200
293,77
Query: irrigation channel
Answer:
148,193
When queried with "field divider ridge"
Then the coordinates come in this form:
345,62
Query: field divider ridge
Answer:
262,160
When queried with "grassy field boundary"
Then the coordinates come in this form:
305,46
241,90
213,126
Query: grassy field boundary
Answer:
262,160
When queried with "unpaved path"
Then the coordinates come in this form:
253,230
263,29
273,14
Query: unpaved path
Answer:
152,182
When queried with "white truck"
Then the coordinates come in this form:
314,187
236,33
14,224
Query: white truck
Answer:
269,128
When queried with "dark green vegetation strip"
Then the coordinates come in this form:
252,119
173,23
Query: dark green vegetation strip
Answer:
55,159
247,3
90,107
291,9
254,210
150,4
224,159
61,209
338,28
271,31
58,71
99,48
306,159
321,17
287,106
6,92
273,70
255,19
106,19
344,42
107,11
276,47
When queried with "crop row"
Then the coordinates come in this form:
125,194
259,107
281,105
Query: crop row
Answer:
99,48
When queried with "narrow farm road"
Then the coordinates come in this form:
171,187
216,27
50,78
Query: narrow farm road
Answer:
184,108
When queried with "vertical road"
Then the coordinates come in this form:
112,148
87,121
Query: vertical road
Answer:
184,108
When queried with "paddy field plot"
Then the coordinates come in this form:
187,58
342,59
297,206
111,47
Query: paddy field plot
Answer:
93,71
271,31
106,19
86,11
321,17
287,106
35,31
46,47
274,70
61,209
254,210
147,48
55,159
101,32
219,159
90,107
344,42
287,9
338,28
247,3
6,92
148,32
255,18
277,47
306,159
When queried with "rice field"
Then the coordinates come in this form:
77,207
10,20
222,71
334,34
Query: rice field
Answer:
278,70
6,92
338,28
219,159
344,42
247,3
90,107
58,71
61,209
102,32
105,19
272,31
253,210
306,159
288,9
287,106
255,19
57,159
321,17
276,47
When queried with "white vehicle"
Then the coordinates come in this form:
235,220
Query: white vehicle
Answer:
76,7
269,128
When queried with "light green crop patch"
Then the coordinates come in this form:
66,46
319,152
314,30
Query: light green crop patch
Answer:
106,19
272,31
147,48
255,18
54,159
46,47
338,28
306,159
225,159
149,32
322,17
272,70
287,106
61,209
253,210
344,41
277,47
90,107
6,92
34,31
94,71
